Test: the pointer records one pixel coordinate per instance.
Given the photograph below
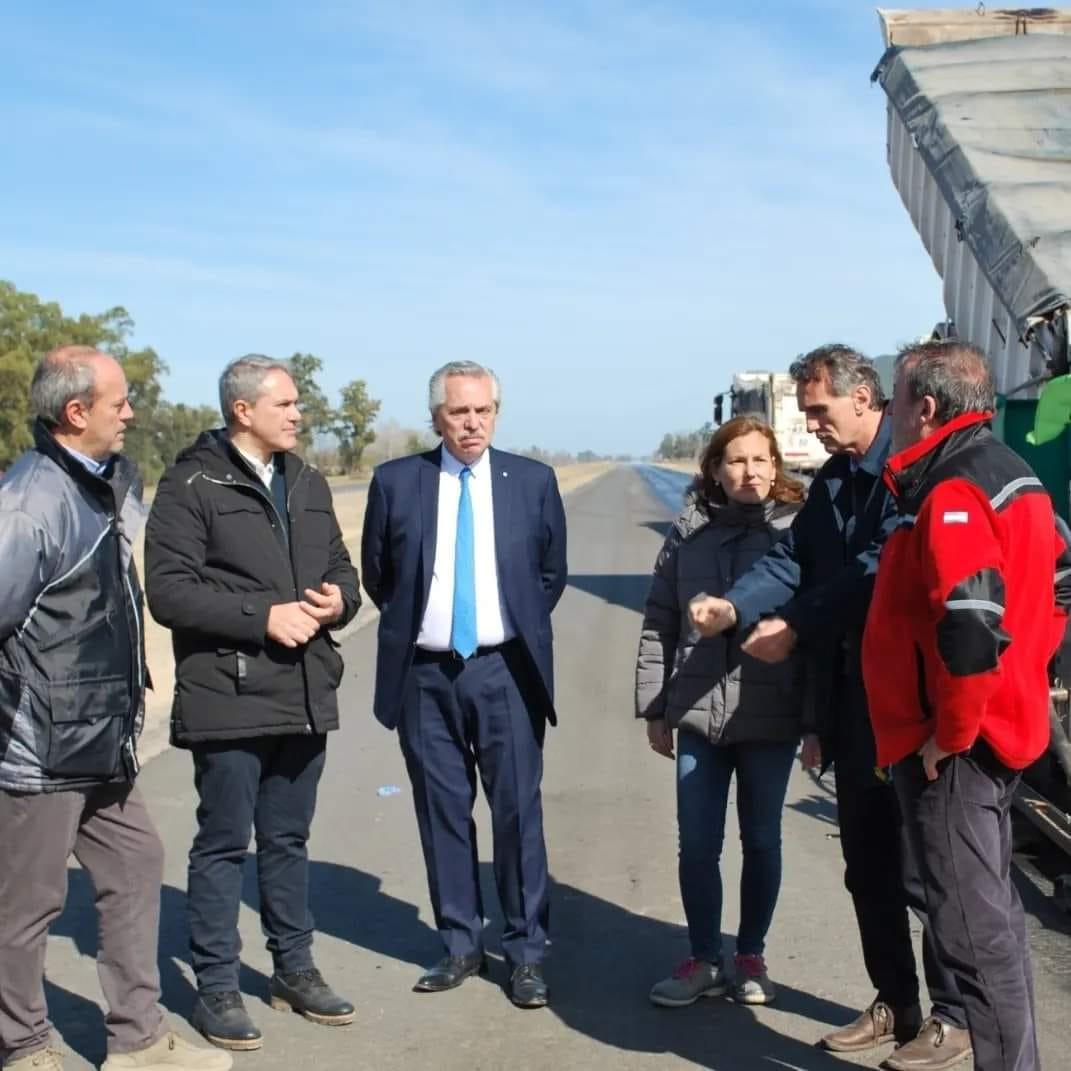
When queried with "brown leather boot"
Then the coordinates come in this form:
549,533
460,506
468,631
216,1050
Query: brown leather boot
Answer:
936,1047
880,1024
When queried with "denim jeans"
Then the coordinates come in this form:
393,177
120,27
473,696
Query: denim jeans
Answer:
704,771
265,785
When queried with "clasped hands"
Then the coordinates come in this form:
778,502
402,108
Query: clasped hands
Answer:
772,640
293,624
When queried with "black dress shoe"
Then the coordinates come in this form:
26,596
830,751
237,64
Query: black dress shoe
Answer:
450,972
527,988
223,1020
308,994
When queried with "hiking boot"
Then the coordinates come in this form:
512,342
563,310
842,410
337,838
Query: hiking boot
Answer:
46,1059
223,1020
937,1046
752,984
693,979
309,995
170,1053
880,1024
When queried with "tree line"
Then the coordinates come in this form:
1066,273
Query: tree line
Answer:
684,445
340,438
30,327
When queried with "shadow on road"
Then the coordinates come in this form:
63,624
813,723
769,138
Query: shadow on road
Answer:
348,904
80,1021
821,804
618,589
603,963
79,923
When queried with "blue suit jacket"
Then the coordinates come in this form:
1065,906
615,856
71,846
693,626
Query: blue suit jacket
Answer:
398,558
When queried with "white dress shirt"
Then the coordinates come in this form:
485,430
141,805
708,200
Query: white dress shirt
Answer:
264,472
492,620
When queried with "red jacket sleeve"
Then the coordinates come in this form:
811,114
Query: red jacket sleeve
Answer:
961,560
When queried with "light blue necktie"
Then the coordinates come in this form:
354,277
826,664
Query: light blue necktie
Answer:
463,624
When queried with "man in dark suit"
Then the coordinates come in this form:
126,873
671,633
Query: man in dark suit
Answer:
464,554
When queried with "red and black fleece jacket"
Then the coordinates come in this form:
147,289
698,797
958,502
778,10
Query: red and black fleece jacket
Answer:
970,602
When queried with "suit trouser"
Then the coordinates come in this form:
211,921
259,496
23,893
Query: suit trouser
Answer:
880,875
267,785
459,719
110,833
960,834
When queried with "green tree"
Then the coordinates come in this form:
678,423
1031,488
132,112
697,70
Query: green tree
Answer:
176,426
354,422
317,416
30,327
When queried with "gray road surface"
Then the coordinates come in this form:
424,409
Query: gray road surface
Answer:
616,920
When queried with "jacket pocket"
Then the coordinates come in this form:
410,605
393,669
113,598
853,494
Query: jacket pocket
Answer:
88,725
314,526
76,635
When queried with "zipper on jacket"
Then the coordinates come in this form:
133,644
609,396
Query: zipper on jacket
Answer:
293,487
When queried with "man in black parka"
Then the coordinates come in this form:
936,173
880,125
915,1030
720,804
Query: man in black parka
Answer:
246,565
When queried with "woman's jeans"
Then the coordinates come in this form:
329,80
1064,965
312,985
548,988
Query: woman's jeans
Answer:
703,774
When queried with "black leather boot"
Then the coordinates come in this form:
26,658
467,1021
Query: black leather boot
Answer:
308,994
223,1020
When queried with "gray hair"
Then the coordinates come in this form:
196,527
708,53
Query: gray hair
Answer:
243,379
952,372
62,376
843,368
437,383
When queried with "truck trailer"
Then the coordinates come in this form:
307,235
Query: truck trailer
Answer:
979,147
772,397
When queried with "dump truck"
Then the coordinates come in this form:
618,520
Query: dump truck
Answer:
979,148
772,396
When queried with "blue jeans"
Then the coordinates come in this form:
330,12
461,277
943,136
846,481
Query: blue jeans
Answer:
704,771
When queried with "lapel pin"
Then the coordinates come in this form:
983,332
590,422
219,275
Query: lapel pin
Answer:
504,473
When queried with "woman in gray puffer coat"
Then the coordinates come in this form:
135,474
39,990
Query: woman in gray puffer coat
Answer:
733,713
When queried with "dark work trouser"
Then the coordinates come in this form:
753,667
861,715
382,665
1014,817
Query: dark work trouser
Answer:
459,720
268,786
880,875
110,833
960,834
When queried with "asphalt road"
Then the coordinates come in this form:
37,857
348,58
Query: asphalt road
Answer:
616,918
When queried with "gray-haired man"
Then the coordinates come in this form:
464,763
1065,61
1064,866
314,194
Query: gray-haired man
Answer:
464,553
72,690
814,587
245,564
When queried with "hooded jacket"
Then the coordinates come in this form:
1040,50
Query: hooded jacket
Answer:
219,554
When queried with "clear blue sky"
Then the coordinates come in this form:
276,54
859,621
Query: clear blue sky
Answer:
615,204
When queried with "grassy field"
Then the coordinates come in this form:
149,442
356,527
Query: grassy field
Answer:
349,509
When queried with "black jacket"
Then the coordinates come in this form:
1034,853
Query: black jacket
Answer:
820,579
72,652
217,557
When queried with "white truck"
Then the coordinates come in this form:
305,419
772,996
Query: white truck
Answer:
772,396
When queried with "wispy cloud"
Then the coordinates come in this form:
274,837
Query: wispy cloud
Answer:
584,185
